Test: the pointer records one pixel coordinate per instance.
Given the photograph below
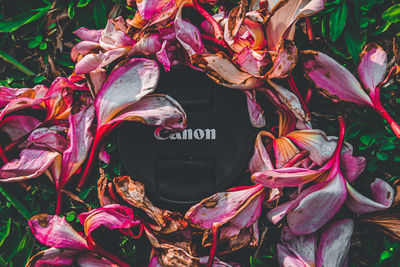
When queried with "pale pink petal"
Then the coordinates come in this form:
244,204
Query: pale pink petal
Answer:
382,198
20,103
48,138
277,214
163,58
188,35
286,15
284,60
98,77
304,247
83,48
335,244
112,37
17,126
148,8
254,63
286,258
333,79
220,18
112,216
7,94
53,257
256,113
31,164
224,71
54,231
88,259
88,35
260,160
373,65
316,205
80,141
103,155
286,177
91,62
352,166
126,86
148,45
284,151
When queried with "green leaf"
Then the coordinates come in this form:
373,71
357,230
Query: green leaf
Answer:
256,262
39,79
18,21
70,216
16,203
355,42
24,250
337,21
385,255
6,57
83,3
99,14
84,193
4,233
388,146
43,46
71,10
33,43
367,139
382,156
396,158
392,14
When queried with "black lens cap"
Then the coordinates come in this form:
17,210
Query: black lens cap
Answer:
210,155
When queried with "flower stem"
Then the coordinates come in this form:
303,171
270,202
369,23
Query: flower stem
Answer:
216,229
294,89
59,201
3,155
310,32
297,158
217,28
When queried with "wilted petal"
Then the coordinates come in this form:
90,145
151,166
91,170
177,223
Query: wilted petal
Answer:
83,48
303,246
98,77
112,216
32,163
48,138
7,94
218,263
352,166
80,140
188,35
224,71
148,8
260,160
163,57
88,35
53,257
54,231
112,37
382,198
333,79
126,86
19,103
286,258
17,126
254,63
256,113
373,65
284,150
92,62
148,45
316,205
285,15
88,259
276,215
286,177
335,244
284,61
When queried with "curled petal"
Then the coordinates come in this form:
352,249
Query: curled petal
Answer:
91,62
80,140
260,160
48,138
54,231
256,113
188,35
333,79
373,65
382,198
98,77
224,71
20,103
113,216
83,48
17,126
88,259
284,60
31,164
254,63
112,37
352,166
284,150
302,246
88,35
148,8
148,45
163,57
7,94
126,86
53,257
316,205
285,14
276,215
335,244
286,258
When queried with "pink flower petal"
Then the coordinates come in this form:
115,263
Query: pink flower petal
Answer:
284,150
148,45
333,79
256,113
382,198
260,160
48,138
284,61
148,8
188,35
316,205
91,62
54,231
98,77
112,37
286,258
277,214
17,126
80,141
335,244
88,35
31,164
83,48
163,58
112,216
126,86
53,257
254,63
373,65
19,103
352,166
7,94
88,259
286,15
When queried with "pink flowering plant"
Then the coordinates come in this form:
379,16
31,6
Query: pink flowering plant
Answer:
321,180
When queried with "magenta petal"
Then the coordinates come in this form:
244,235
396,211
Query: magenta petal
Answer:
19,103
260,160
382,198
54,231
88,259
335,243
91,62
256,113
80,141
83,48
126,86
32,163
148,45
286,258
88,35
188,35
163,58
253,62
48,138
112,216
148,8
352,166
8,94
284,61
316,205
53,257
373,65
333,79
18,126
286,177
112,37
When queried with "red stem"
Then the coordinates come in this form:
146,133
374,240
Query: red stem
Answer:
294,89
307,100
297,158
216,233
217,28
59,201
334,162
3,155
310,32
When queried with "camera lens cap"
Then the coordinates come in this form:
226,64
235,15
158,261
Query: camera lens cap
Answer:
181,168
